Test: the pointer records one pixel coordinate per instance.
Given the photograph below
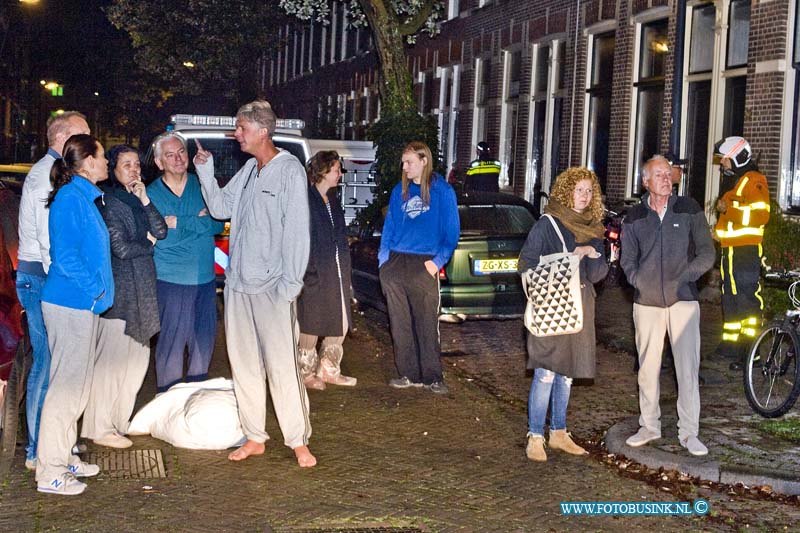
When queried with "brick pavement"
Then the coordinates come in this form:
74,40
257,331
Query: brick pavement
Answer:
389,460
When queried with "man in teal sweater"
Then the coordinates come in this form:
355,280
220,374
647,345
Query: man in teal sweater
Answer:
184,268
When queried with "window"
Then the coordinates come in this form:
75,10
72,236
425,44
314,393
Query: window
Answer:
713,110
508,117
793,181
648,96
701,56
335,36
483,78
544,131
448,114
426,105
452,9
738,33
599,108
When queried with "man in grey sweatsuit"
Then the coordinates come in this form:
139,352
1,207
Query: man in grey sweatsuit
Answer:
267,202
666,247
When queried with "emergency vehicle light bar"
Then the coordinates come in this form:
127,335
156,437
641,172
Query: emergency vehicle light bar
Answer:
229,122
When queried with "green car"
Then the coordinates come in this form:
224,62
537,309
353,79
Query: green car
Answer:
481,279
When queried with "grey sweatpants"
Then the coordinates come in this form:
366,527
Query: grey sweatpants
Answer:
72,335
262,343
681,321
120,366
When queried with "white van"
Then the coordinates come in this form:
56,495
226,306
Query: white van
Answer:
215,133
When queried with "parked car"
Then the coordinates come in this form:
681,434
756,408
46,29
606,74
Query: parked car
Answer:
14,348
480,280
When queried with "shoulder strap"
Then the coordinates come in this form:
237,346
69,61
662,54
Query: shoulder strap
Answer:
558,232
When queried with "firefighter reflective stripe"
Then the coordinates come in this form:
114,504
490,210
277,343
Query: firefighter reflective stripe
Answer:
742,186
746,209
730,232
730,331
750,326
730,270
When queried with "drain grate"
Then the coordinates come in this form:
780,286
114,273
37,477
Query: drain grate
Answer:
130,464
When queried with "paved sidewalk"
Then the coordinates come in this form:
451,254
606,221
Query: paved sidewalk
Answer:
396,461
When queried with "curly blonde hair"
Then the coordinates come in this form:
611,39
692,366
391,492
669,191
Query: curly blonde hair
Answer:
564,188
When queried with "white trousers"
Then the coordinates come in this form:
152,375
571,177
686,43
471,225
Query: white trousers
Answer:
72,335
681,321
119,370
261,332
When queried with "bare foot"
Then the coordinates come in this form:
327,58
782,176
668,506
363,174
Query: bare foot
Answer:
247,449
304,457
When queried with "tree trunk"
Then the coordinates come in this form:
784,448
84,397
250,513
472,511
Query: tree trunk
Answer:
395,88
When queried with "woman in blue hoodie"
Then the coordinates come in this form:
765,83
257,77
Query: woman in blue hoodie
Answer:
79,287
419,235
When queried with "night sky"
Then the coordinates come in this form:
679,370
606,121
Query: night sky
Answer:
73,43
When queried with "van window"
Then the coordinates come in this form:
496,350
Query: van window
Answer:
228,157
296,149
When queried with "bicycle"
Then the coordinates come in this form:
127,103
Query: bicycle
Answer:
772,371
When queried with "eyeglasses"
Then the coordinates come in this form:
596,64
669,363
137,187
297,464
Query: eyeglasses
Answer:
583,191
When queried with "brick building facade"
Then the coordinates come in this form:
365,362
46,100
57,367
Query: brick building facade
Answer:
555,83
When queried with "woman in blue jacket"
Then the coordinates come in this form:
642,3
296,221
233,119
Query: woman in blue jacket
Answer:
420,233
79,287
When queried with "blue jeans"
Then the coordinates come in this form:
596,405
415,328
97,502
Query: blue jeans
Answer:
548,388
29,292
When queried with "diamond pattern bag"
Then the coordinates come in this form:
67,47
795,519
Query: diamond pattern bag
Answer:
553,288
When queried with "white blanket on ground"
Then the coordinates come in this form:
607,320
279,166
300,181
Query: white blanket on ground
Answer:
200,416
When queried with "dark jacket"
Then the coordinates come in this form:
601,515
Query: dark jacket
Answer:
571,355
320,302
664,259
132,262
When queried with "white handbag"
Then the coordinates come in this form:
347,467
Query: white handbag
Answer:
553,288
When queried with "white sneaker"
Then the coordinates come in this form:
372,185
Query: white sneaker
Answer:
84,469
694,446
64,484
114,440
30,464
642,437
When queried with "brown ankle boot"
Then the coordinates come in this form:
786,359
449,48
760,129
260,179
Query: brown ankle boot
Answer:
535,448
561,440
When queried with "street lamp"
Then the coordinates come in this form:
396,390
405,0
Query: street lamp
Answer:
29,2
188,64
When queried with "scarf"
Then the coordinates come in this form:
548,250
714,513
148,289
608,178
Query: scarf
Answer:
582,225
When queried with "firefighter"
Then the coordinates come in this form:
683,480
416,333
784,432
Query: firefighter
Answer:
484,172
743,211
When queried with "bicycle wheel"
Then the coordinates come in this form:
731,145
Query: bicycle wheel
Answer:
772,373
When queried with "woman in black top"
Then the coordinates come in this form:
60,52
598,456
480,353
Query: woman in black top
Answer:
323,306
134,225
576,209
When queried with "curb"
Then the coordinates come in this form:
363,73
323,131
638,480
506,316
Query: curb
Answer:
703,468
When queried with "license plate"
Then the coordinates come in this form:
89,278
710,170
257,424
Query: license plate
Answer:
481,267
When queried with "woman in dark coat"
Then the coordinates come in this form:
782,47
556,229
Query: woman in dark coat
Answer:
323,306
576,207
123,346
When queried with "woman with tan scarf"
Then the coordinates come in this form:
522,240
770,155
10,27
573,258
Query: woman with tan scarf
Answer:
577,209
